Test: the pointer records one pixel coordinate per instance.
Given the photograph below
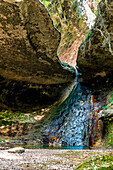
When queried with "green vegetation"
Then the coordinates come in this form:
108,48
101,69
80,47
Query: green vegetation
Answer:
109,141
100,162
110,102
87,36
2,140
7,116
109,134
46,3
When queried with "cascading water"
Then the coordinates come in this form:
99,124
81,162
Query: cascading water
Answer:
74,122
76,74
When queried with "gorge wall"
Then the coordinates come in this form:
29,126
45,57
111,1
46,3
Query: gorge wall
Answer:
29,65
95,56
73,19
33,80
94,61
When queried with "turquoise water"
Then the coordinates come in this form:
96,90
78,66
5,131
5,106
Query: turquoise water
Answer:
50,147
55,147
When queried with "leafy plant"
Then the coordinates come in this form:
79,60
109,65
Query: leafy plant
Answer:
46,3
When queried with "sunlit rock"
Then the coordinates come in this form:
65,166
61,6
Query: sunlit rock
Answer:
16,150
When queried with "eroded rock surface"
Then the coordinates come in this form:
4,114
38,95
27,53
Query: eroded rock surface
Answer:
30,72
29,43
73,18
95,57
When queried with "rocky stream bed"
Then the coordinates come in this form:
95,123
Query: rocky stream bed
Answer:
54,159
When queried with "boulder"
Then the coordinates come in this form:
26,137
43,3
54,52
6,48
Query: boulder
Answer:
16,150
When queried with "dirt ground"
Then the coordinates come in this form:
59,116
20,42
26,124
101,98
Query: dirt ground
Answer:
51,159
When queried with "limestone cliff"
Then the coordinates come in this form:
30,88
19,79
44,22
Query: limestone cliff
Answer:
95,61
73,19
30,71
29,43
95,57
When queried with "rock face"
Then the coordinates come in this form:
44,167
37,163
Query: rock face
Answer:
29,66
73,18
29,43
95,57
107,117
65,19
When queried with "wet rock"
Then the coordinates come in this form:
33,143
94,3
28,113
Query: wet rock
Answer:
73,128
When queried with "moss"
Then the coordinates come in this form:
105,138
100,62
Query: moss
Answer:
109,141
82,25
109,135
8,116
99,162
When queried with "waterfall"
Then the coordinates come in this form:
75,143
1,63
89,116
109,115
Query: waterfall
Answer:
76,75
74,121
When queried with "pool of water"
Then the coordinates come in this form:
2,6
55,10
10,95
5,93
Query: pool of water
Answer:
46,147
55,147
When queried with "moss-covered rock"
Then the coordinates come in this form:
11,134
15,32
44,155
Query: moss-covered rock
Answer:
109,133
106,115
